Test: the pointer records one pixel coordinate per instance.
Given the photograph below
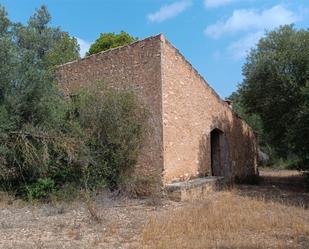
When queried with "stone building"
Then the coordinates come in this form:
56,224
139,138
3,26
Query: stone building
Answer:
194,132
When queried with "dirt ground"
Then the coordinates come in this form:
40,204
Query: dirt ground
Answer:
118,222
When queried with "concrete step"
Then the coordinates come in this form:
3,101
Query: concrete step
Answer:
194,189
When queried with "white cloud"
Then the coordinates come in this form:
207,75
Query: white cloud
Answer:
245,20
216,3
239,49
169,11
84,46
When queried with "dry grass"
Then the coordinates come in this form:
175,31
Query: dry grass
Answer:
273,214
228,220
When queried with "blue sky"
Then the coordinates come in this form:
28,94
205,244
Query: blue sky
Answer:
214,35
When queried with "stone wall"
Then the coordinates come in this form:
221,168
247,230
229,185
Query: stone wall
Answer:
191,110
137,66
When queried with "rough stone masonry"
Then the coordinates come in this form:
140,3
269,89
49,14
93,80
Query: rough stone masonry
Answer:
193,132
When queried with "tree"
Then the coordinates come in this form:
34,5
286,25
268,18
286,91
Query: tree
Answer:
107,41
32,110
255,122
252,119
8,57
275,87
35,49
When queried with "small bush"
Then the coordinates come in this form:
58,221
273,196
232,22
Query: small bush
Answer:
41,189
114,122
299,164
283,163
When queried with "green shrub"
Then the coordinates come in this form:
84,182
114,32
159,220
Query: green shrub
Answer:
292,163
115,124
41,189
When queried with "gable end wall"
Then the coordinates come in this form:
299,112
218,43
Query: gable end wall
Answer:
191,109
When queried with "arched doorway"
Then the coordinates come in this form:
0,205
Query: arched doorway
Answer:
216,140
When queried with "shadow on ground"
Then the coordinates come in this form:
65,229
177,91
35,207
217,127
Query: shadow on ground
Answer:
284,186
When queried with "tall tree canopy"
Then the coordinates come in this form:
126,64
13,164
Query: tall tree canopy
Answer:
107,41
276,88
28,54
